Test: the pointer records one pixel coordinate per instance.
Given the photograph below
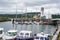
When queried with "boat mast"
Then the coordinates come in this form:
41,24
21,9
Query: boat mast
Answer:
16,11
16,16
26,12
26,16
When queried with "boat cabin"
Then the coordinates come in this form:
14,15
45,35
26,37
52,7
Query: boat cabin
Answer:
1,30
42,36
10,35
12,32
1,33
25,35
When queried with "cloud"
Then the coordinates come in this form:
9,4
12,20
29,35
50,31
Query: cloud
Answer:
31,5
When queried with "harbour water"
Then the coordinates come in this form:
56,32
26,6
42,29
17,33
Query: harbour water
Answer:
34,28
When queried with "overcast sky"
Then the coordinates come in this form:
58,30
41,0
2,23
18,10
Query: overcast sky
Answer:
51,6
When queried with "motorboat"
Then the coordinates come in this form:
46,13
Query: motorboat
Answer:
42,36
25,35
26,22
1,33
10,35
37,23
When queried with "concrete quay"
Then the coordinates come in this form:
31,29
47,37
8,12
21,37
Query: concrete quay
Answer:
57,33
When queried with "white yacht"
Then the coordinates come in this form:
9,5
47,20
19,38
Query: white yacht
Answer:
28,22
10,35
42,36
1,33
25,35
37,23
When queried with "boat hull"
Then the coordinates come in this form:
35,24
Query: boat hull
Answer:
19,38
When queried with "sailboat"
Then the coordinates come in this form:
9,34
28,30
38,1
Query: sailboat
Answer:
25,34
11,34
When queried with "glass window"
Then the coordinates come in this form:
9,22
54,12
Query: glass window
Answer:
27,34
21,34
8,39
41,38
37,37
12,33
0,31
46,38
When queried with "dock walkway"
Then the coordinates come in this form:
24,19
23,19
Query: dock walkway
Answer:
56,34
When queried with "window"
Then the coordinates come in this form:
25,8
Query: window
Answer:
41,38
27,34
47,38
21,34
0,31
37,37
12,33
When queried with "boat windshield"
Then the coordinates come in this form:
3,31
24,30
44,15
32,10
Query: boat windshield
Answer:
1,31
47,38
40,38
12,33
37,37
8,39
21,33
27,34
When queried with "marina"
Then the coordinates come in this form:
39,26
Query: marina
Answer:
29,20
47,29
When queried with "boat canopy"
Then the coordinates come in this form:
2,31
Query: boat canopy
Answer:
42,35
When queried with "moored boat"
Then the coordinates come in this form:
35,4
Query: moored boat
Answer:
1,33
25,35
42,36
10,35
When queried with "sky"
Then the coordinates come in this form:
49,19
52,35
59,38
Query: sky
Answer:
50,6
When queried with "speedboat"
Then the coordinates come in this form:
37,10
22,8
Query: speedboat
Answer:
1,33
10,35
25,35
42,36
